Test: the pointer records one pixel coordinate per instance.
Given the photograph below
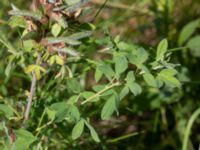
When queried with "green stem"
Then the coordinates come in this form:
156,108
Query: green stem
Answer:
41,118
42,127
188,128
177,49
180,48
124,137
101,92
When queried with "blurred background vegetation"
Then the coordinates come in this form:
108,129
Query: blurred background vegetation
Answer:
157,117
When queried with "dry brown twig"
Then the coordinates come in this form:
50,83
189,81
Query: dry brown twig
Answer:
32,92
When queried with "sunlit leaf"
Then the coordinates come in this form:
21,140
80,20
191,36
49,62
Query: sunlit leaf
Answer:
167,76
150,80
98,74
55,30
78,130
108,108
162,49
16,21
121,63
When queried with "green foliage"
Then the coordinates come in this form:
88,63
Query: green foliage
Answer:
66,85
187,31
24,139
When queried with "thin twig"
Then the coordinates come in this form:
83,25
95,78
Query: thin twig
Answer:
118,5
124,137
100,9
32,92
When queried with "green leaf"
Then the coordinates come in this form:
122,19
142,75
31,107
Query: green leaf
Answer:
194,46
107,71
98,75
8,68
61,110
51,114
80,35
150,80
187,31
16,21
78,130
55,30
108,108
162,49
30,35
169,72
138,56
6,111
170,81
69,51
24,139
59,60
67,40
37,69
74,85
130,77
6,43
28,45
73,99
124,92
93,133
62,21
73,113
34,15
167,76
135,88
121,63
65,111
